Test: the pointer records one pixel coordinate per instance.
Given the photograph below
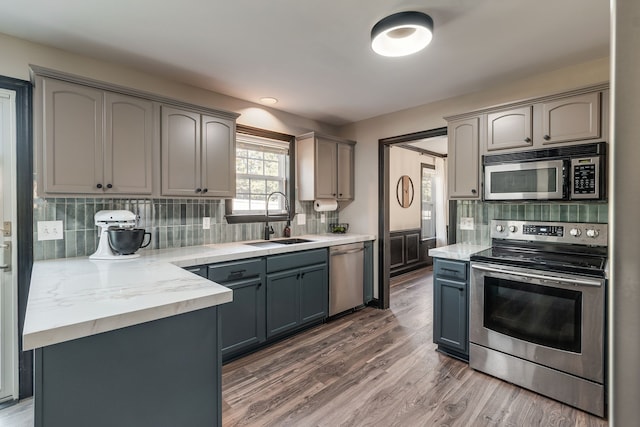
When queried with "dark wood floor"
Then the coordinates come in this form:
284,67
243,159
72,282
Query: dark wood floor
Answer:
370,368
379,368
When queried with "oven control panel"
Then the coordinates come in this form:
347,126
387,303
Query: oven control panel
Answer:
543,230
557,232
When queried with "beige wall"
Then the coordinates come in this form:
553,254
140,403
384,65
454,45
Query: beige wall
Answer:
430,116
17,54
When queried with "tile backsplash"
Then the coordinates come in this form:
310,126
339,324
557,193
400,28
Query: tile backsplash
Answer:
483,212
172,223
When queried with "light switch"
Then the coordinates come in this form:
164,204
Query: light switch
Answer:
206,223
323,218
302,218
50,230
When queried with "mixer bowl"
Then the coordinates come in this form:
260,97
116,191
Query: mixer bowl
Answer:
126,241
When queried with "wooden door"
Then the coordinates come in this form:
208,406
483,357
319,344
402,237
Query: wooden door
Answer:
72,137
509,129
326,169
464,160
181,157
129,144
218,157
574,118
345,171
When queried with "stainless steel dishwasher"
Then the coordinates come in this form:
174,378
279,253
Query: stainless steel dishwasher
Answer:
346,266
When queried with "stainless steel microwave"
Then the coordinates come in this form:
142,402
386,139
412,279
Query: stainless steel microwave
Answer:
576,172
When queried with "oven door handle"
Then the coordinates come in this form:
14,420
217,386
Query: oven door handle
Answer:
542,277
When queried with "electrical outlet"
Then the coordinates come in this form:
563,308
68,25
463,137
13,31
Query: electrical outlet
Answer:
206,223
50,230
302,219
323,218
467,223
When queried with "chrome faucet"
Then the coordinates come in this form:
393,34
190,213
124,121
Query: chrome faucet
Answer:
268,230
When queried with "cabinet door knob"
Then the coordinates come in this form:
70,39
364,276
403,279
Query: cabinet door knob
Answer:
99,186
198,190
527,139
204,190
334,194
473,191
546,137
109,186
340,194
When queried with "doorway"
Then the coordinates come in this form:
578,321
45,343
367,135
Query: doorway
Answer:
426,143
8,257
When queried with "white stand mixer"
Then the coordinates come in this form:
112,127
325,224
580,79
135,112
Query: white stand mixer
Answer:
106,219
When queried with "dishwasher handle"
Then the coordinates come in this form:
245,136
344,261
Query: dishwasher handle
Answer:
352,251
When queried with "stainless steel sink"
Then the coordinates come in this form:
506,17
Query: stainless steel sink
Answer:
275,243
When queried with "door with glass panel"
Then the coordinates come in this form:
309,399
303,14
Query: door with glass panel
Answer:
8,278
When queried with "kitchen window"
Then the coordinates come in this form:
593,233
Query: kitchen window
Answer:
427,200
263,165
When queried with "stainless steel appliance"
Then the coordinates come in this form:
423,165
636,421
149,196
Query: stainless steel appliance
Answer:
574,172
346,283
537,309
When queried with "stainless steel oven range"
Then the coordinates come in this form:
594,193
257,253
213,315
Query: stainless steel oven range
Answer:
537,309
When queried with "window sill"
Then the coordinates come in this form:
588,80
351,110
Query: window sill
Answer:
246,219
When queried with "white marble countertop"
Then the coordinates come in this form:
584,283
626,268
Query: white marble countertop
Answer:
459,251
71,298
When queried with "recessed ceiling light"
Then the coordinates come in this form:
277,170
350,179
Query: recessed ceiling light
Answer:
402,34
268,100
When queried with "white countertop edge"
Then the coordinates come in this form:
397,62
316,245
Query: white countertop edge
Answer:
51,327
64,333
457,251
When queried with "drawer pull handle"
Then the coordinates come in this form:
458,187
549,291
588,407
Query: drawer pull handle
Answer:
449,269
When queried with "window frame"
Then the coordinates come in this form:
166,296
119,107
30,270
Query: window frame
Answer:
291,188
432,169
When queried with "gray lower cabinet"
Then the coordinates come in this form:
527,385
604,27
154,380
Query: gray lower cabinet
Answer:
451,307
162,373
297,290
243,319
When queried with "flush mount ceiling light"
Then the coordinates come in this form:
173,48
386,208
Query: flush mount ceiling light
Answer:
268,100
402,34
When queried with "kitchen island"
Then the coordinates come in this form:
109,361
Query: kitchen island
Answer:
134,341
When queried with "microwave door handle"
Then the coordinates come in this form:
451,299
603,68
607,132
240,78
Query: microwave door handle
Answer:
544,277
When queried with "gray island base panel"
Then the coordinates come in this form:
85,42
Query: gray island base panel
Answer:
166,372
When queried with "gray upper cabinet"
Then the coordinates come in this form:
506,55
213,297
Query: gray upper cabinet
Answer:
72,136
92,141
198,154
346,162
325,167
510,129
464,158
574,118
129,144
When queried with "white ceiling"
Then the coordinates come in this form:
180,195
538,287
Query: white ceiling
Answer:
315,56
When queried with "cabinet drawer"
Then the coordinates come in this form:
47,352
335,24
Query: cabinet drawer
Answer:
231,271
452,269
296,260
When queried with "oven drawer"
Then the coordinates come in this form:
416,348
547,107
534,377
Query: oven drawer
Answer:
451,269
